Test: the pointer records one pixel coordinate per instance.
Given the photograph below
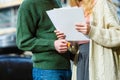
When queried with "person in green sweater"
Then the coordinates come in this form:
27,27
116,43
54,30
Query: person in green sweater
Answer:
35,33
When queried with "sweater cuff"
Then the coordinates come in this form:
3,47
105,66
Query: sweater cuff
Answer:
51,44
92,32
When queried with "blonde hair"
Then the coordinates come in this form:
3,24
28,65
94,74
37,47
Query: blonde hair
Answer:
86,4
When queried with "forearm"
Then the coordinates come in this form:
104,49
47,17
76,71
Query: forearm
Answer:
105,37
35,45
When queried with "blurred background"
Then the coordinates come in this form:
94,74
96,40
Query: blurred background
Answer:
14,64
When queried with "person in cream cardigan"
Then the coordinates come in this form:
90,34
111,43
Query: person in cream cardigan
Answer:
103,29
104,34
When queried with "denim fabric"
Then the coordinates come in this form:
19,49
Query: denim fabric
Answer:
83,62
40,74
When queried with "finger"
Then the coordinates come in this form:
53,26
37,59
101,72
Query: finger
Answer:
63,48
84,32
62,51
80,24
63,45
56,31
61,36
81,27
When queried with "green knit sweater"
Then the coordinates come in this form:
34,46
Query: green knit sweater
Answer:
35,33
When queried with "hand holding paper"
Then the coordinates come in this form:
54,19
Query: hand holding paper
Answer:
64,20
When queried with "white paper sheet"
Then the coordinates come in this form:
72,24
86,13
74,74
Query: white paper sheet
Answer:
64,20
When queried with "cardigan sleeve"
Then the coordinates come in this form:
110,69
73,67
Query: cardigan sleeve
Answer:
109,34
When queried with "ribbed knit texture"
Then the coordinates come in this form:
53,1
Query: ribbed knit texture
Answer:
35,32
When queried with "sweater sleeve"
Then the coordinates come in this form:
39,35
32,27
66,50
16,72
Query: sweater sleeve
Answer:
26,29
109,36
105,37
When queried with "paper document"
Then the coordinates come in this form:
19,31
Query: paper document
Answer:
64,20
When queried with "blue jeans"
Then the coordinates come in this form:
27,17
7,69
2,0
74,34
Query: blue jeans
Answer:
40,74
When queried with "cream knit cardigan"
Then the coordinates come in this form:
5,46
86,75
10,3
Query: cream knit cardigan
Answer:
104,59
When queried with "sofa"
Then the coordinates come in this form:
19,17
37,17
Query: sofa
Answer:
15,67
